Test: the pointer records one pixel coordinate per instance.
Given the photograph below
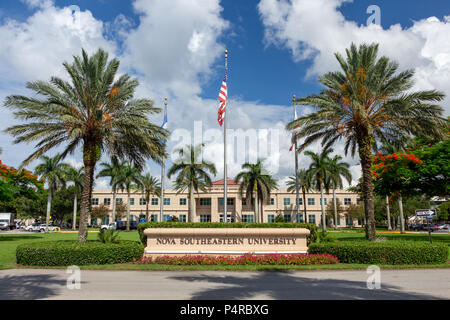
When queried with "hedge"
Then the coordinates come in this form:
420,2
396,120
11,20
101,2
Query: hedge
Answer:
388,252
311,226
65,253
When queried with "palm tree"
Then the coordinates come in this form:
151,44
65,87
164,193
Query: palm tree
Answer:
256,179
193,174
129,177
304,183
337,171
93,111
77,177
112,170
149,186
54,173
365,104
320,170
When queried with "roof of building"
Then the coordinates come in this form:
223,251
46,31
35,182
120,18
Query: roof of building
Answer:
229,182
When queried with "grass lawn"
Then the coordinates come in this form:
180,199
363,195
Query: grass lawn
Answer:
9,242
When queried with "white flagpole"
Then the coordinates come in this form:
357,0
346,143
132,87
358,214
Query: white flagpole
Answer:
225,147
161,205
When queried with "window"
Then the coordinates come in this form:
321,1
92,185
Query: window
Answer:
154,218
107,201
324,201
93,222
182,217
286,201
347,201
244,201
299,217
272,201
166,217
247,218
230,217
166,201
287,217
119,200
311,202
205,201
131,201
312,218
300,201
154,201
105,220
182,201
94,201
142,202
339,221
205,218
271,218
230,201
348,221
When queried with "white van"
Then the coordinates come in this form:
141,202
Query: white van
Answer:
7,221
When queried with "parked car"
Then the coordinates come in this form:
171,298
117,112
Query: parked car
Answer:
419,227
122,225
434,227
111,226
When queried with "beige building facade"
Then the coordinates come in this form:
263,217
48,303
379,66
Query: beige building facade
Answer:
209,206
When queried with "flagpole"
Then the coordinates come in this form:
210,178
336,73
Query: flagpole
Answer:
161,205
225,150
297,196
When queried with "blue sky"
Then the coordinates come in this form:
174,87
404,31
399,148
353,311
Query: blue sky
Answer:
276,49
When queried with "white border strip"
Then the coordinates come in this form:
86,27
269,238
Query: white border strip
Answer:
221,252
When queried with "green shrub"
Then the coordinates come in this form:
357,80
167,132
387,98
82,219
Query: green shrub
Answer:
324,237
65,253
142,226
108,236
279,218
388,252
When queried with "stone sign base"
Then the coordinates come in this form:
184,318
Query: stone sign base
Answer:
224,241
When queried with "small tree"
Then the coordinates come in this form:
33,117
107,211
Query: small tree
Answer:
100,212
354,212
329,210
444,211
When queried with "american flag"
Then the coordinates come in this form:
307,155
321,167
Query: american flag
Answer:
222,99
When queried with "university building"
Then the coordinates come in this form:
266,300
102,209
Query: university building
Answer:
209,206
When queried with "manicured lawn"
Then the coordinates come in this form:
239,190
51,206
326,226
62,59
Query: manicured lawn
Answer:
8,244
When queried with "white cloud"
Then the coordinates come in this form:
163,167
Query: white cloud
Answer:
38,3
315,30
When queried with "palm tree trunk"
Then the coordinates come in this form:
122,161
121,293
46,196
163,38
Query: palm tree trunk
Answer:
86,195
191,203
388,211
324,220
400,209
75,204
128,211
335,209
304,205
365,156
147,200
256,208
113,215
49,207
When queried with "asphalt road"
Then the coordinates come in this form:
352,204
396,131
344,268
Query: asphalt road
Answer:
215,285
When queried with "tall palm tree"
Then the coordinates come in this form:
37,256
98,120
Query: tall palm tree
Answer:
112,170
304,183
365,104
256,179
193,174
77,177
149,186
93,111
54,174
338,169
129,177
320,170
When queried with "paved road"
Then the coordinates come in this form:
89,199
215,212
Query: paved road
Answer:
209,285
